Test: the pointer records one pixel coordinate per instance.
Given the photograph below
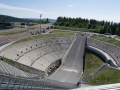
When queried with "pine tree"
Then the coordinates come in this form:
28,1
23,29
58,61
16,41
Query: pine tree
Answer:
2,20
47,20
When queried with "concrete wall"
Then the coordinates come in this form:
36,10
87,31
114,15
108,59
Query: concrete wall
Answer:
102,54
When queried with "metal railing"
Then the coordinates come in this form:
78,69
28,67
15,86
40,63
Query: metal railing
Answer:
15,83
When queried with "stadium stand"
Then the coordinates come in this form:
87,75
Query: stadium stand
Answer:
112,50
6,68
43,58
38,54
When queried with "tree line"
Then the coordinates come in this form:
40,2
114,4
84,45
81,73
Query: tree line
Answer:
99,26
5,18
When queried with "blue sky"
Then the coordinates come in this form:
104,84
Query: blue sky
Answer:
91,9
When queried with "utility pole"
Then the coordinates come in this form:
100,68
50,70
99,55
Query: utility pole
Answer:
40,22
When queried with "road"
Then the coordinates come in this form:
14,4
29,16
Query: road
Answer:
28,28
17,36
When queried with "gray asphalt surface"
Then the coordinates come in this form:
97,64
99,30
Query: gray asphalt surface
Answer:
33,29
72,69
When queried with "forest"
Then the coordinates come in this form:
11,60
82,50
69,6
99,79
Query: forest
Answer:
99,26
5,18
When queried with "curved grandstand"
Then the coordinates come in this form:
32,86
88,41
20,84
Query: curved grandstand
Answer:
52,63
42,56
112,50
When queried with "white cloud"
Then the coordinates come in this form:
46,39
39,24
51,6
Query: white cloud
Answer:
3,6
70,5
18,8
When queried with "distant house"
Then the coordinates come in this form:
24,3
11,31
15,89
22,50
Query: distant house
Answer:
2,25
23,25
9,25
6,25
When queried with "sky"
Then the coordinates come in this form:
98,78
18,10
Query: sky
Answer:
92,9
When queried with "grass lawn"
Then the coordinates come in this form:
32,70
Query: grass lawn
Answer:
12,32
92,63
59,31
118,37
77,29
32,24
107,75
105,39
45,36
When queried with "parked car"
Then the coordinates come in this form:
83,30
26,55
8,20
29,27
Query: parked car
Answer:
51,27
47,28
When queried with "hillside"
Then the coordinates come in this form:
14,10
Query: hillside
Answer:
13,19
37,19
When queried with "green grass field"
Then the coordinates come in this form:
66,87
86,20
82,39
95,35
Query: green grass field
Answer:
105,39
106,76
12,32
60,31
93,61
118,37
45,36
76,29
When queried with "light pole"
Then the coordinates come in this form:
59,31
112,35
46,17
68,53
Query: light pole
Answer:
40,22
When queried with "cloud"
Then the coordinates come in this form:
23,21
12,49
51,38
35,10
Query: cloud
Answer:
3,6
70,5
18,8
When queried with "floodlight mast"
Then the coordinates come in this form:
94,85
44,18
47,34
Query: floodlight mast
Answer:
40,22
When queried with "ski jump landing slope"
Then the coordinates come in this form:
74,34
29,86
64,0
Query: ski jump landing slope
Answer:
69,74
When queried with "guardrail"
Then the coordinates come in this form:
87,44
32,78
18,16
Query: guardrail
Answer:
14,83
95,72
110,49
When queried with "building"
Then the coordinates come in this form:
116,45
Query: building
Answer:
23,25
6,25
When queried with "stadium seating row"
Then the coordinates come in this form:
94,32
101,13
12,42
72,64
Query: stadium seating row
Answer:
112,50
6,68
38,54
